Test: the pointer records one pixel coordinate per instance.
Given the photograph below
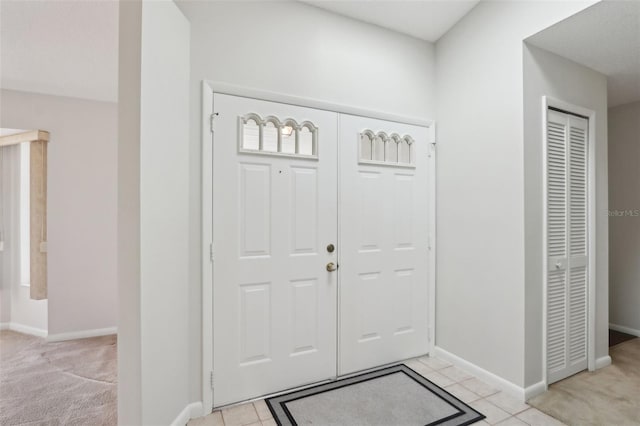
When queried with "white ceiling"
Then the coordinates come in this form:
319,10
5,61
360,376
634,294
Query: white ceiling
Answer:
424,19
60,48
606,38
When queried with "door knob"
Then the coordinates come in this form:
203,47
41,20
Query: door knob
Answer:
558,265
331,266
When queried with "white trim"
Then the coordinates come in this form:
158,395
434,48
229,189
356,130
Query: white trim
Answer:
534,390
265,95
191,411
25,329
339,242
208,136
207,231
624,329
545,257
591,323
602,362
486,376
432,236
82,334
275,394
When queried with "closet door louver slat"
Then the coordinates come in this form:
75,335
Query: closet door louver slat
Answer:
578,315
556,313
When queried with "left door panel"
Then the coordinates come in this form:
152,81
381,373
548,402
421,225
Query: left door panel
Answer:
275,212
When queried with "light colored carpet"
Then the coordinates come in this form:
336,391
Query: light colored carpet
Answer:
609,396
62,383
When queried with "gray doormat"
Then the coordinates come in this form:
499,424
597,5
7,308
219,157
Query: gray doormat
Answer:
392,396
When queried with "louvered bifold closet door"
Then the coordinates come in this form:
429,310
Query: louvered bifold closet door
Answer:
556,242
566,245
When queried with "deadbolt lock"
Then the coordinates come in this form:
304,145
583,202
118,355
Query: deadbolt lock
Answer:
331,248
331,266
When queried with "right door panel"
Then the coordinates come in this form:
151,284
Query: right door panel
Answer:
384,225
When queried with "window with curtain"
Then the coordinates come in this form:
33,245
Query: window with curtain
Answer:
26,226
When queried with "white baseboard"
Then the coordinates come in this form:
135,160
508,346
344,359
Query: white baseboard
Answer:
482,374
25,329
82,334
534,390
623,329
197,409
603,361
189,412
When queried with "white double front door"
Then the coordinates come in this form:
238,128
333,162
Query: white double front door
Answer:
285,315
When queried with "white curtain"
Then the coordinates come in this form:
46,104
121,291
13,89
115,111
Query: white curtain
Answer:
9,224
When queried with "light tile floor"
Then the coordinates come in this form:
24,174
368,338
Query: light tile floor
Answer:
500,408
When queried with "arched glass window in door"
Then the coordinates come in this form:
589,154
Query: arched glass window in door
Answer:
404,150
379,146
251,132
288,135
271,136
384,149
366,144
392,148
307,139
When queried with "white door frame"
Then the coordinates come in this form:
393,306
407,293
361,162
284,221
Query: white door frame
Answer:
591,226
208,130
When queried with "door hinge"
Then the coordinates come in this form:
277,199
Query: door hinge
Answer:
432,148
212,121
211,379
211,251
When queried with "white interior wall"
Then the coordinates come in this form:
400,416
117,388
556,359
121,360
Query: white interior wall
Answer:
153,235
82,164
624,227
547,74
164,211
480,212
331,58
